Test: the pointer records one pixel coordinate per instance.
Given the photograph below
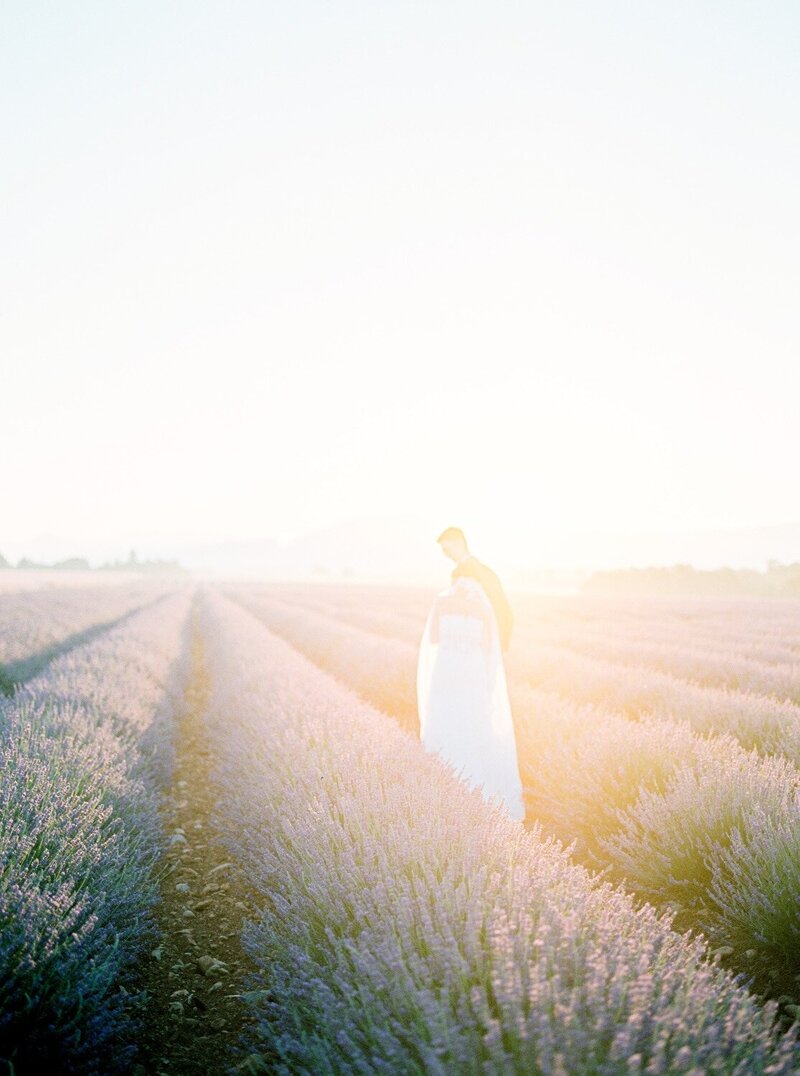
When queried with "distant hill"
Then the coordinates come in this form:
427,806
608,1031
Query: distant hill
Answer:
402,549
364,549
76,564
81,564
149,567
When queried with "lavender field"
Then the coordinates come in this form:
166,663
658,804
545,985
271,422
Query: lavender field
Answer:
222,847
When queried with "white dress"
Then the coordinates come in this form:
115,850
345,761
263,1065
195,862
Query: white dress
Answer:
464,710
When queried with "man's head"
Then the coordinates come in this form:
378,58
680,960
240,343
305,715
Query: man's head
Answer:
453,543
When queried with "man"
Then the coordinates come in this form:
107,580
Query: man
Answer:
454,546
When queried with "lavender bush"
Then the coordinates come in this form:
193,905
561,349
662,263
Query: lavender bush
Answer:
769,725
698,825
82,749
381,670
711,667
34,625
754,895
407,927
582,767
720,843
378,611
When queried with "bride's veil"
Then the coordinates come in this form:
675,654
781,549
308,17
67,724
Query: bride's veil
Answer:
425,662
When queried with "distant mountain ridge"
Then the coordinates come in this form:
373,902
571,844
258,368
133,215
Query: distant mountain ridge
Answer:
403,549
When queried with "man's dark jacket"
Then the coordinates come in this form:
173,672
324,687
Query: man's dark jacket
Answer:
474,569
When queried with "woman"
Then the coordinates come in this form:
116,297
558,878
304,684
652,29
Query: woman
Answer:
464,712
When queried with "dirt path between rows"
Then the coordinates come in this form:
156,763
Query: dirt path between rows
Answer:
192,1020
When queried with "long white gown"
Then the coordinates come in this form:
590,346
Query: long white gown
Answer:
462,695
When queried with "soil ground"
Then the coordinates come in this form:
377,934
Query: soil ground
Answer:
193,1021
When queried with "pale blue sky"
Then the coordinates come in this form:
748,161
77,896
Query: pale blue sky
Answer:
528,267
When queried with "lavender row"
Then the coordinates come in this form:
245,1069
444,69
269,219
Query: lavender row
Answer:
728,618
744,663
383,611
765,629
405,926
716,668
698,825
83,749
382,671
769,725
715,639
34,623
27,580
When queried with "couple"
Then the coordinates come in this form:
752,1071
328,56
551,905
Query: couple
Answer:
464,711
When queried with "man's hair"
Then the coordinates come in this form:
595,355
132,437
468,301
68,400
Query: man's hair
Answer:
452,534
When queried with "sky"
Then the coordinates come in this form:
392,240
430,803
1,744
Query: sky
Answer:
531,269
